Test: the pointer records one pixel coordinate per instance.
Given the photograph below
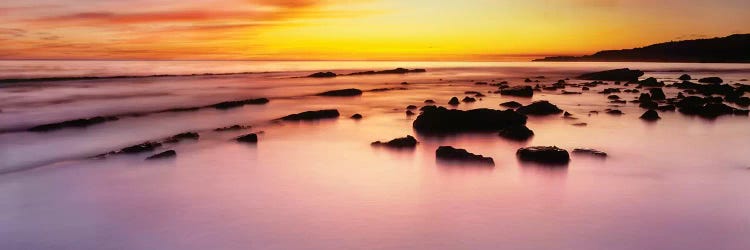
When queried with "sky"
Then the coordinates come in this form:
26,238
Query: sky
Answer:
468,30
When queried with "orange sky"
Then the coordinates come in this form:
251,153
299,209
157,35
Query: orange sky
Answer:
352,30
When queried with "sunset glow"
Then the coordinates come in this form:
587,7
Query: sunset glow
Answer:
353,30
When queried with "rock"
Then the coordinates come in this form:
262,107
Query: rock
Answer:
539,108
429,101
685,77
230,128
615,112
544,154
140,148
511,104
390,71
657,94
454,101
742,112
580,124
312,115
565,92
668,107
448,153
403,142
567,114
518,133
410,113
341,92
650,115
78,123
442,120
356,116
650,82
589,151
163,155
585,88
323,75
527,80
183,136
522,91
240,103
613,75
713,110
480,83
404,83
613,97
609,91
469,99
714,80
248,138
410,107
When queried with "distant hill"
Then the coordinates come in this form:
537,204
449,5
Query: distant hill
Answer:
730,49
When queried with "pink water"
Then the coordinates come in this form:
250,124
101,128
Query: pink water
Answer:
679,183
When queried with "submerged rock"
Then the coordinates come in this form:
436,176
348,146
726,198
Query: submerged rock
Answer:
589,151
410,113
650,115
341,92
240,103
183,136
518,133
657,94
429,101
390,71
248,138
650,82
539,108
233,127
544,154
322,75
613,75
511,104
469,99
312,115
449,153
356,116
522,91
80,123
410,107
685,77
442,120
163,155
615,112
403,142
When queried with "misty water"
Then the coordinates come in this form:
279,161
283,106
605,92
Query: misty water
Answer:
678,183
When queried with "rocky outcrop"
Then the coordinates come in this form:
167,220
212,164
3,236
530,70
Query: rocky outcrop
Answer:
511,104
341,92
448,153
248,138
539,108
403,142
323,75
544,155
240,103
163,155
650,115
312,115
590,152
442,120
77,123
516,133
613,75
521,91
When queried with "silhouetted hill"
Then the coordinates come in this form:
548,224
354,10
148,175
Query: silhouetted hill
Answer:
730,49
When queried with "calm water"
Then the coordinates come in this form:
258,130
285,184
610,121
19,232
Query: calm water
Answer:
679,183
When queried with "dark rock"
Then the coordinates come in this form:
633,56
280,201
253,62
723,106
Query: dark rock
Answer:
429,101
589,151
480,83
342,92
230,128
78,123
183,136
650,82
714,80
511,104
613,97
356,116
614,112
712,110
410,107
518,133
609,91
613,75
448,153
248,138
522,91
564,92
668,107
742,112
657,94
685,77
527,80
390,71
469,99
585,88
650,115
312,115
580,124
543,154
567,114
442,120
404,83
410,113
323,75
454,101
140,148
240,103
403,142
163,155
539,108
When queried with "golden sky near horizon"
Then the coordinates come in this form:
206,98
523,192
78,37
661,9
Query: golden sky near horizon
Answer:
354,29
